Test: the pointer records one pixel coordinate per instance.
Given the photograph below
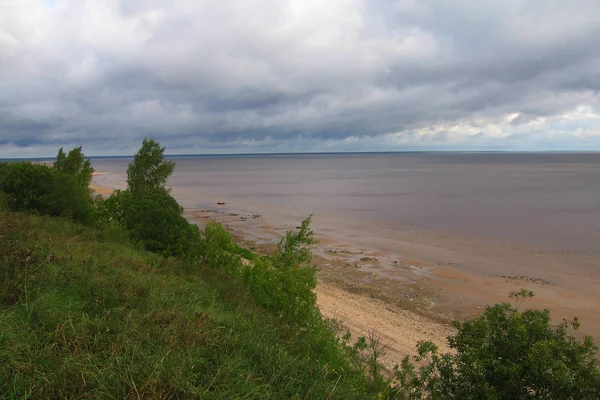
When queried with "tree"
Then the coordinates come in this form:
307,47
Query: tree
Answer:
506,354
46,190
3,171
74,164
149,170
146,209
155,219
29,187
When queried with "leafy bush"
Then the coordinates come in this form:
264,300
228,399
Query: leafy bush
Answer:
61,190
155,220
29,187
218,249
3,171
149,170
146,209
40,188
112,209
284,283
74,164
506,354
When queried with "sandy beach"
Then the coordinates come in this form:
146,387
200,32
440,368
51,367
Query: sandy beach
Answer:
439,277
101,190
407,286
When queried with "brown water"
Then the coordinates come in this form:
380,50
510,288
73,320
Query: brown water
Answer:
540,201
444,232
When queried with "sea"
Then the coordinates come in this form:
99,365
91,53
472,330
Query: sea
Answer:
541,200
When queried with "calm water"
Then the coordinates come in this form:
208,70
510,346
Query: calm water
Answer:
544,200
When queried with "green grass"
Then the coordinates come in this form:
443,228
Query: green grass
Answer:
84,314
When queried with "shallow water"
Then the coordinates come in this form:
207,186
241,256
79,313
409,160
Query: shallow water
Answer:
549,201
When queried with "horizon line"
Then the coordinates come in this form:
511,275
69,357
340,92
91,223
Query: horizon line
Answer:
327,153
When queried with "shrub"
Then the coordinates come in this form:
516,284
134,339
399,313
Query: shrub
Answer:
29,187
149,170
74,164
147,211
61,190
155,220
506,354
3,171
284,283
218,249
112,209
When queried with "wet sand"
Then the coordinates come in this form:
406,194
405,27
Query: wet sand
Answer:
437,276
409,285
103,191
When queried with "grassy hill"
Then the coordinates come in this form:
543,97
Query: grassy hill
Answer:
84,314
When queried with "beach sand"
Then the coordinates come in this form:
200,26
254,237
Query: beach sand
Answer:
407,286
98,189
438,277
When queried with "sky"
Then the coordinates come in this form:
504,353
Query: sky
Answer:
254,76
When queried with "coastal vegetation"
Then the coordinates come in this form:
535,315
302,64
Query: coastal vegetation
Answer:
506,354
122,297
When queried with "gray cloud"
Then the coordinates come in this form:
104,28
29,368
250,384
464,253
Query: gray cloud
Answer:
274,75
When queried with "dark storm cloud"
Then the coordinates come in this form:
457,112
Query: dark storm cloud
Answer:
209,75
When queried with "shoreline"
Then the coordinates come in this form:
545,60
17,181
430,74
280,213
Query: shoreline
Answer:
413,284
399,329
99,189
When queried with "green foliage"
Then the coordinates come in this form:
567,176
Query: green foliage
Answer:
74,164
29,187
506,354
61,190
41,188
219,251
149,170
155,219
113,209
91,317
148,212
284,283
292,251
3,171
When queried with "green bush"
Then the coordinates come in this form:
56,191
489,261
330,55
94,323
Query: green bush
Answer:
155,220
112,209
29,187
506,354
219,251
59,190
3,171
149,170
284,283
74,164
148,212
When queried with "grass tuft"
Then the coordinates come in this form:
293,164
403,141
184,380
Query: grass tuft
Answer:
84,314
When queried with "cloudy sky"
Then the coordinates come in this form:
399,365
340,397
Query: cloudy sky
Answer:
230,76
